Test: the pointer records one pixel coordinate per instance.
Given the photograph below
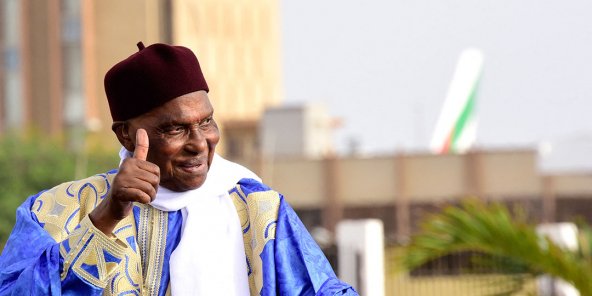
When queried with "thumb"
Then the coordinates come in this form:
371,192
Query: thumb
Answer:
141,150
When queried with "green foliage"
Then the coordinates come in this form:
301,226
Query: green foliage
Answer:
492,230
29,164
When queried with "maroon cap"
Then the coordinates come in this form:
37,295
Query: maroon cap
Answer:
151,77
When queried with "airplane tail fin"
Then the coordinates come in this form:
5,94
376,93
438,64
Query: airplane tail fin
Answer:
456,128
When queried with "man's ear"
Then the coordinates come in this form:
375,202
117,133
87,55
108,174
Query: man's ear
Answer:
121,129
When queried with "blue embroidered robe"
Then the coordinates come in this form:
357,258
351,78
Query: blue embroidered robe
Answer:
54,249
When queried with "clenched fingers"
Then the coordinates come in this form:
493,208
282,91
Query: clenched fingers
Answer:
137,180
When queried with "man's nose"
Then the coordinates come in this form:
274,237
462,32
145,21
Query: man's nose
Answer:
196,141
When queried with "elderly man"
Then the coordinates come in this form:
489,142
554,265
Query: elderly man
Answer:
175,218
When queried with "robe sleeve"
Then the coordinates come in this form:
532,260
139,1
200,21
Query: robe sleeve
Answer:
298,256
37,260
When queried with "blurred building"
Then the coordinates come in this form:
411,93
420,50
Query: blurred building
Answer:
296,131
569,153
402,189
55,54
238,45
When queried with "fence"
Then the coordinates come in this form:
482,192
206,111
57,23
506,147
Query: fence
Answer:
461,274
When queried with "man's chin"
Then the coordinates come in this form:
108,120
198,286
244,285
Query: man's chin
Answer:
184,186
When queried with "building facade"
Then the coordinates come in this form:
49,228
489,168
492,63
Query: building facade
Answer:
56,53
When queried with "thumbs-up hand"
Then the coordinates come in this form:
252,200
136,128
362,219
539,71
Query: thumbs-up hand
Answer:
136,181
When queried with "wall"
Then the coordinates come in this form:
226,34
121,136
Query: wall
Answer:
413,185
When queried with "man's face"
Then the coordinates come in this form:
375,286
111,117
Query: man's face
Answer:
183,136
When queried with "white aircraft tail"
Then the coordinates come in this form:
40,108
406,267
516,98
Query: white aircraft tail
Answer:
456,128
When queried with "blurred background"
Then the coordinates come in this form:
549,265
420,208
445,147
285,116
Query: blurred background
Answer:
336,104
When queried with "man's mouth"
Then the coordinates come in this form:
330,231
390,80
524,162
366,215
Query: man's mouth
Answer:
192,166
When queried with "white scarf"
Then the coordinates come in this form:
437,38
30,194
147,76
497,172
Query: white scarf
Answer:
210,258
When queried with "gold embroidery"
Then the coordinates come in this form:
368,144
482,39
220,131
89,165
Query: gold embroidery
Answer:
92,255
70,248
128,275
258,214
61,208
156,243
152,240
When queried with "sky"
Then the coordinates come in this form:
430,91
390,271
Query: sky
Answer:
384,68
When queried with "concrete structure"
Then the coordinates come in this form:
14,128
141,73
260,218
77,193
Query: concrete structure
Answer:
296,131
59,52
56,54
239,49
401,189
31,55
360,246
110,31
238,46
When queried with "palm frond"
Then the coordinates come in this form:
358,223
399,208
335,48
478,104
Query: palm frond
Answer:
492,230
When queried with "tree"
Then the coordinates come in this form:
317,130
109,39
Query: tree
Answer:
31,163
